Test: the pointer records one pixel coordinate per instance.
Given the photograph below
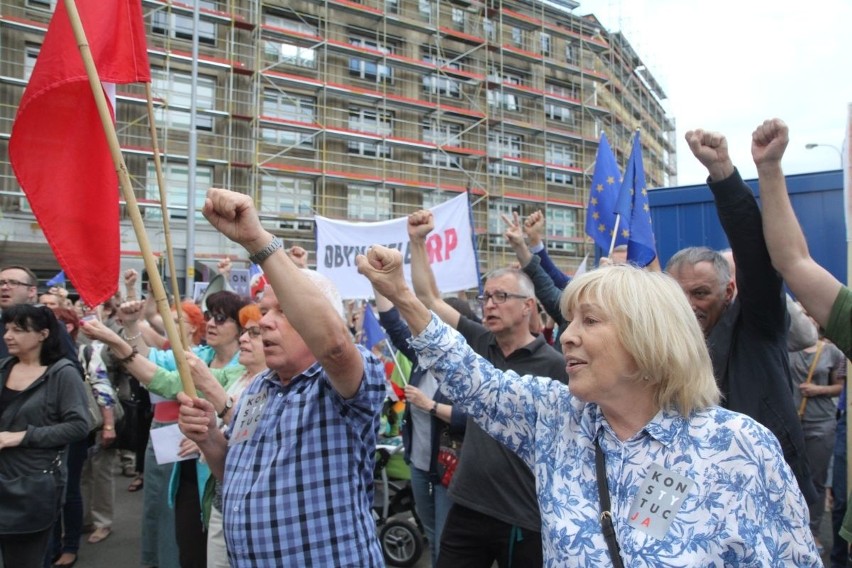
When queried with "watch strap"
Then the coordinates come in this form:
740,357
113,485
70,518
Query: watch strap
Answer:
266,251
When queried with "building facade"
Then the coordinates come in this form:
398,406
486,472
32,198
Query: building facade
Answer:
364,110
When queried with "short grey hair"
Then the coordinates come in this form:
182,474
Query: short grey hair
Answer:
525,284
693,255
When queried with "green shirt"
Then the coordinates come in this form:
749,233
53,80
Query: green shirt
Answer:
168,384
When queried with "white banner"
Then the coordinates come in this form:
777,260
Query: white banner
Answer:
449,245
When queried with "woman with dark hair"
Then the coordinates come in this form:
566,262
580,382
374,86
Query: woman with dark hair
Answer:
42,410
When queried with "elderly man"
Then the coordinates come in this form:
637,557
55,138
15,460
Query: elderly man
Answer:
746,334
495,514
297,460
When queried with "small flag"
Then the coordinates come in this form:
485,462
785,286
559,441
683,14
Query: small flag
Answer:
373,332
633,205
58,148
600,215
57,280
584,266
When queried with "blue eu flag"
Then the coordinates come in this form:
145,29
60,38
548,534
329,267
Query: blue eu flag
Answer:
633,206
57,280
600,216
373,332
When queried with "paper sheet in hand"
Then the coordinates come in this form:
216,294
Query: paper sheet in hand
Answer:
166,441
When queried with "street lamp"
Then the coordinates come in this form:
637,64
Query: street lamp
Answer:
812,145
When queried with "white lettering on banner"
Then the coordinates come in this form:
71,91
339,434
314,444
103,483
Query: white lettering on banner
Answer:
449,246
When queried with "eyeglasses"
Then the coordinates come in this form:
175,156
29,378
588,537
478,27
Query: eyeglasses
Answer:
499,297
219,318
253,331
14,283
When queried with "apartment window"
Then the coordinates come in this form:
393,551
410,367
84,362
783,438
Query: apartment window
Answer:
545,45
488,28
179,26
434,198
439,84
557,177
287,196
570,55
176,90
442,133
507,101
560,113
425,9
374,122
561,222
504,146
517,36
176,178
30,55
368,69
287,53
42,4
458,18
392,6
564,90
560,155
285,106
368,202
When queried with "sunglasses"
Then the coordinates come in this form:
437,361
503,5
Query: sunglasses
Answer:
253,331
219,318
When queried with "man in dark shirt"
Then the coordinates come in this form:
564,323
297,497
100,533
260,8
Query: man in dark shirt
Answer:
494,516
746,334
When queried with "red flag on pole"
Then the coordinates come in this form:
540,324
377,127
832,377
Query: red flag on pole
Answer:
58,148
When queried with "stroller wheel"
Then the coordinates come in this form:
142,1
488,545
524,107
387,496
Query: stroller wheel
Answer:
401,543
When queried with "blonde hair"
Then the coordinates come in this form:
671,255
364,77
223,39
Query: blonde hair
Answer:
657,328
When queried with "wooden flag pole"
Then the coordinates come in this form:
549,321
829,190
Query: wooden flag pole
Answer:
161,185
129,196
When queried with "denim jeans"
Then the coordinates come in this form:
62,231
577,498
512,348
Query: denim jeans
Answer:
840,548
432,504
69,526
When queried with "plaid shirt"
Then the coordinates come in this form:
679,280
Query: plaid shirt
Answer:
299,492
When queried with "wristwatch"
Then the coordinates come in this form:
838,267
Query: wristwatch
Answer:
434,409
109,428
229,404
266,251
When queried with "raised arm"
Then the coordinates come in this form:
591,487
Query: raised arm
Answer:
534,229
311,315
395,327
813,285
420,224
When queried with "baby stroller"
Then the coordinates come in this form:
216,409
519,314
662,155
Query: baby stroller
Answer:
400,530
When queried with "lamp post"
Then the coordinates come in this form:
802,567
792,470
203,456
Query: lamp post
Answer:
812,145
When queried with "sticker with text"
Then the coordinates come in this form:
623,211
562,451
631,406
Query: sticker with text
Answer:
658,501
250,414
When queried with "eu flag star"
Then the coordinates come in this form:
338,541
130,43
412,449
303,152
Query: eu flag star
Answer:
601,228
596,215
610,180
594,200
599,187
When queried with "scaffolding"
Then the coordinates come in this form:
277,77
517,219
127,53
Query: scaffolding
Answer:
372,109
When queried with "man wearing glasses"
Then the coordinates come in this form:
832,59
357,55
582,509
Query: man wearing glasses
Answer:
494,516
17,286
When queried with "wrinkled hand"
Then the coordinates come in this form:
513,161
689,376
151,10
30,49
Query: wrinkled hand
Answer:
514,233
188,448
383,268
416,397
233,214
107,438
11,439
809,390
534,227
224,267
420,224
130,312
196,418
769,141
711,149
95,329
130,278
201,375
298,255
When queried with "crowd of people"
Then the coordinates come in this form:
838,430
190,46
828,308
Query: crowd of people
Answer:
629,417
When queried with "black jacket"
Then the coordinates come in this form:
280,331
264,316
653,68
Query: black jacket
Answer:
748,345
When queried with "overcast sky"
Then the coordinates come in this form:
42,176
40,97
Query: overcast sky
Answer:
726,65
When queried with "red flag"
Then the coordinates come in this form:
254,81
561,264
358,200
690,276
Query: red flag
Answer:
58,148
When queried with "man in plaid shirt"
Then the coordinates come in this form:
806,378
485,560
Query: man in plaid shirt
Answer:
297,460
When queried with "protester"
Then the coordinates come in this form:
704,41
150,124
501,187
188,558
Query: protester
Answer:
429,417
298,486
823,296
642,390
746,334
42,411
494,515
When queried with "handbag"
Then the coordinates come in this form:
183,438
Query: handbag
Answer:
30,503
449,453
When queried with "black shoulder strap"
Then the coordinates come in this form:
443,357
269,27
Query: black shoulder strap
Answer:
606,513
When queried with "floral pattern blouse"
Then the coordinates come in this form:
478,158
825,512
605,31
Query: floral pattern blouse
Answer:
742,507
